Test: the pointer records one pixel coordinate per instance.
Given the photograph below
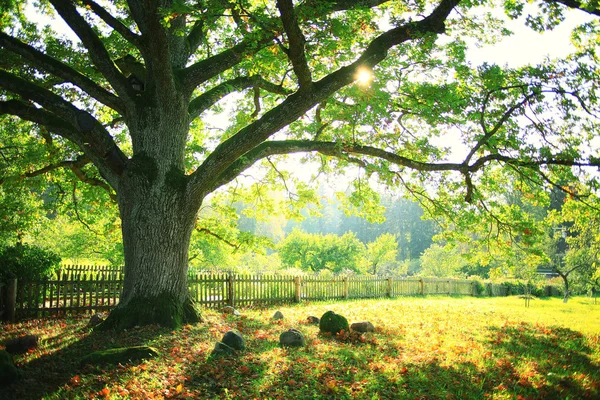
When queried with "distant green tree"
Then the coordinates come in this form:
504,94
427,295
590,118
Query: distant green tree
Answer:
381,254
314,252
442,261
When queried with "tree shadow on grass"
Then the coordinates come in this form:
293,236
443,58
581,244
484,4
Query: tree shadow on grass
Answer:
55,364
519,361
547,362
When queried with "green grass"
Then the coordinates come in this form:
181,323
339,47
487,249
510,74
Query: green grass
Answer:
423,348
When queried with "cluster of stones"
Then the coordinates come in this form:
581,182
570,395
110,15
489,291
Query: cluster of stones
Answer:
231,344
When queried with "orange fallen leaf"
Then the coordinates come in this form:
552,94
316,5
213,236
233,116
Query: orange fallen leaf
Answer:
104,392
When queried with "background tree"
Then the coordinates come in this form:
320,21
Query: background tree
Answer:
381,255
125,100
315,252
573,245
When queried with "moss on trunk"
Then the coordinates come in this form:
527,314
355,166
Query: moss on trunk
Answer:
162,310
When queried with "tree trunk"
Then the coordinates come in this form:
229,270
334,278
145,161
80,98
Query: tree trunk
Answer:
157,217
157,223
566,281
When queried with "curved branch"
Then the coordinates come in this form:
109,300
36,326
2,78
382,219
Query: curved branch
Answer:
113,22
489,133
75,166
206,69
94,46
66,120
296,41
576,5
61,70
300,102
207,99
345,151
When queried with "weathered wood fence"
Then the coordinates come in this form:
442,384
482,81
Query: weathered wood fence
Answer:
97,292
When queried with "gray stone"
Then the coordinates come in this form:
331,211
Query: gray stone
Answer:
21,345
230,310
292,338
234,340
313,320
362,327
8,370
221,349
278,315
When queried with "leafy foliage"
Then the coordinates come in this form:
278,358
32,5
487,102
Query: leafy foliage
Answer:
26,262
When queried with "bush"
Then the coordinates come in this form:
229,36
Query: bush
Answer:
27,263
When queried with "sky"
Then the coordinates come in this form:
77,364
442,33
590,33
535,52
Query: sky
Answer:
527,46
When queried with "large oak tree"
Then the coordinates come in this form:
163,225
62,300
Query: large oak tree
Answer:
132,91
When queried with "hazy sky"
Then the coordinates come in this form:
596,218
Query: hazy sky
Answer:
527,46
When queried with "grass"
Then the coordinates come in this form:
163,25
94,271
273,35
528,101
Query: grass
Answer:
423,348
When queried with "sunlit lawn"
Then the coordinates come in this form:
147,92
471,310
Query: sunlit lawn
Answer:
424,348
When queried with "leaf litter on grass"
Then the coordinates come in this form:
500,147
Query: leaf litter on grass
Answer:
433,347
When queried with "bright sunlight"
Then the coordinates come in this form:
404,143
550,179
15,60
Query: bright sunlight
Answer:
364,76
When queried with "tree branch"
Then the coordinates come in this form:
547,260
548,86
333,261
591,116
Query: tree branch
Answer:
66,120
113,22
207,99
339,150
204,70
296,41
76,209
219,237
576,5
489,133
63,71
300,102
194,38
94,46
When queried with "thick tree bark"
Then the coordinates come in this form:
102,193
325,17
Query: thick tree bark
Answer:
156,226
157,222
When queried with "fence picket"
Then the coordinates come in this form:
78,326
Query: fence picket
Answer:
83,289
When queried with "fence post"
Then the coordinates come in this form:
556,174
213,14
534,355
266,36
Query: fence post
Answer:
297,293
389,287
11,300
473,289
421,286
345,279
230,290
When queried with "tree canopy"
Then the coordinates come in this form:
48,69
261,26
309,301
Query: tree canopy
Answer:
158,104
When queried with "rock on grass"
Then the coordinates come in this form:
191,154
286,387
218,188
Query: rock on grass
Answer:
333,323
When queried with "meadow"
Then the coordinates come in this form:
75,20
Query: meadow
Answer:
423,348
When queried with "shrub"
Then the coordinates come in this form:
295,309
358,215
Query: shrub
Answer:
26,262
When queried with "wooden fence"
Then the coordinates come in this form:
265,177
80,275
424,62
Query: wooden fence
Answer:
97,292
90,271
